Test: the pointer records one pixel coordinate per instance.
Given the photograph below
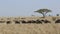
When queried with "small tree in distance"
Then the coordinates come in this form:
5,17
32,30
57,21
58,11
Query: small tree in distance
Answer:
57,14
43,11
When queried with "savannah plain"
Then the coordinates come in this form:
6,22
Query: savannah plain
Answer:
44,28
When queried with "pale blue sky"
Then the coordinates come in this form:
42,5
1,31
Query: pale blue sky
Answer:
27,7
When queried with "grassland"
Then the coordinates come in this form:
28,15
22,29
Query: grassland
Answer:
44,28
30,28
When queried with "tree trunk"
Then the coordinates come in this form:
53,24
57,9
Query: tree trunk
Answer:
43,15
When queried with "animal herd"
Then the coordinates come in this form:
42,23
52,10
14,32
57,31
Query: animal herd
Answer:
31,21
37,21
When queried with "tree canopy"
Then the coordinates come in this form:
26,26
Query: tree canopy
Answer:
43,11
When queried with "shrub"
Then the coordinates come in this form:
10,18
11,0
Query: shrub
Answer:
53,18
57,15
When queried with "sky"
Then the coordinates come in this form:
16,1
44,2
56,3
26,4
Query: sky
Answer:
27,7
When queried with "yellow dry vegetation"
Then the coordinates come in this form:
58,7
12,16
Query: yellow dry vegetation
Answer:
45,28
30,28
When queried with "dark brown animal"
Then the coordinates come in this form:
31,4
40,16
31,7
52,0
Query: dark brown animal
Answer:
57,21
38,22
45,21
8,22
24,21
17,22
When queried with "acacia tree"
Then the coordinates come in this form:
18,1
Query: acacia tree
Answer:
57,14
43,11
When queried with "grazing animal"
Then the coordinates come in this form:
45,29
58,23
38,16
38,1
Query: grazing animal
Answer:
29,21
2,21
24,21
17,22
8,22
38,21
57,21
33,21
45,21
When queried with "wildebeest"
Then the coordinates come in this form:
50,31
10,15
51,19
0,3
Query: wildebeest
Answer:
57,21
29,21
38,21
17,22
45,21
2,21
32,21
8,22
24,21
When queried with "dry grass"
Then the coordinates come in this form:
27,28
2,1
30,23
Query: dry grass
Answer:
49,28
30,29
